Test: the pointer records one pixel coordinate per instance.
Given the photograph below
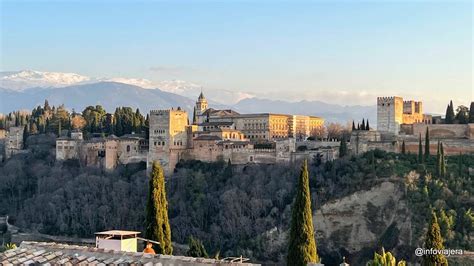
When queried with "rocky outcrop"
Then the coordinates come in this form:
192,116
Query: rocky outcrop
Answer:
365,219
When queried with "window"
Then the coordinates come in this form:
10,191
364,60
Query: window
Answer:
128,148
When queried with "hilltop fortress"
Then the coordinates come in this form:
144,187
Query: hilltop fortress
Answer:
401,121
392,112
225,135
213,135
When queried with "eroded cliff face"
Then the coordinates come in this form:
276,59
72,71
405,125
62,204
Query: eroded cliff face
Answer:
356,224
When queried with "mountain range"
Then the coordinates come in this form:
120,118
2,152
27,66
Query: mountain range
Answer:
27,89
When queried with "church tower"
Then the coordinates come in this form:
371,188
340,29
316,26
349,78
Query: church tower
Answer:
201,105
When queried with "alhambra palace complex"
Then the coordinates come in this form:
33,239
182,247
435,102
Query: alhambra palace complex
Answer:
225,135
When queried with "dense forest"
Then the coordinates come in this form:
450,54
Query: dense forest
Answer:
48,119
229,208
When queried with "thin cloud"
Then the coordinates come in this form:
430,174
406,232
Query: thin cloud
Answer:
172,70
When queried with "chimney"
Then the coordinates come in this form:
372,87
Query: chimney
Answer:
118,240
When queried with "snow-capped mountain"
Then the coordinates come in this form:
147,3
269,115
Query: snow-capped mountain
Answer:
21,80
25,79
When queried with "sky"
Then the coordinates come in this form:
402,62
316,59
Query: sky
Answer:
345,52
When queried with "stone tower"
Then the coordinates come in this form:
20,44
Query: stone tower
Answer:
168,136
389,114
201,105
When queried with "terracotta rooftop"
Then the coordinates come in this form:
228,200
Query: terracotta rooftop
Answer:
34,253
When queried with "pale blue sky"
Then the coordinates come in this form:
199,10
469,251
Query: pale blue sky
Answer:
343,52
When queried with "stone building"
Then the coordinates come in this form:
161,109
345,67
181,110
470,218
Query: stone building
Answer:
392,112
401,121
261,126
225,135
107,153
13,141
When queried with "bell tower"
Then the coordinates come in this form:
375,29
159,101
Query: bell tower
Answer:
201,105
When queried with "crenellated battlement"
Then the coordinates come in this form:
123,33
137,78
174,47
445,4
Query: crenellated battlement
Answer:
390,99
166,111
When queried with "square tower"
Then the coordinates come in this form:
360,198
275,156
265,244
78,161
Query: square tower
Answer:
389,114
167,133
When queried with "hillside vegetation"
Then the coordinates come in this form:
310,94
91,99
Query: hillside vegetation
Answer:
233,210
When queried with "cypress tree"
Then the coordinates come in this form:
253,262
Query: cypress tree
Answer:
343,147
438,160
449,118
302,245
434,241
427,145
25,135
362,127
420,151
358,126
353,126
403,148
471,113
196,248
367,127
443,161
157,226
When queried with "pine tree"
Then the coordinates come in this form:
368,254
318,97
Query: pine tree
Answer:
427,145
157,225
343,148
471,113
196,248
434,241
449,118
420,151
403,148
302,245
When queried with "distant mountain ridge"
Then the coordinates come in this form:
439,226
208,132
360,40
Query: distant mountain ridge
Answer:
331,112
27,89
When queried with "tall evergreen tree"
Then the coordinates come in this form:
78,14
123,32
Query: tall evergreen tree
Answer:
353,126
367,127
438,160
427,145
157,225
471,113
403,148
362,126
302,245
443,161
420,151
449,118
26,133
343,147
196,248
434,241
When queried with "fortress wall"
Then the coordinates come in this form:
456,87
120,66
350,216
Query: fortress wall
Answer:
443,131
